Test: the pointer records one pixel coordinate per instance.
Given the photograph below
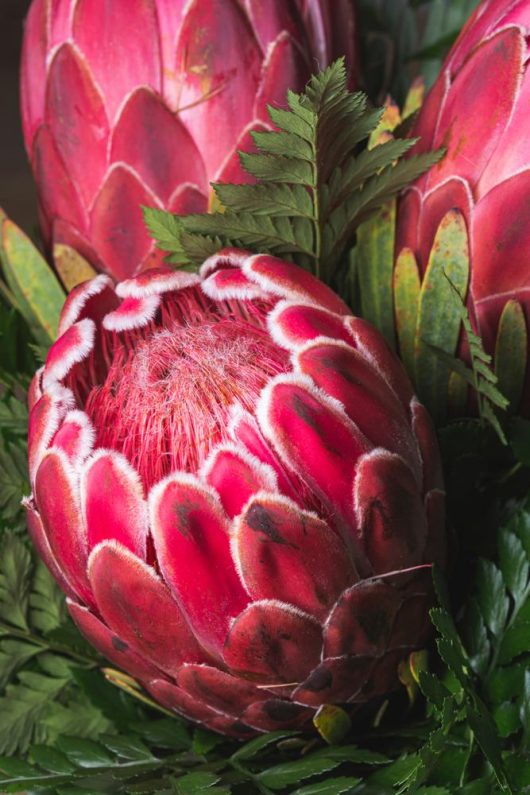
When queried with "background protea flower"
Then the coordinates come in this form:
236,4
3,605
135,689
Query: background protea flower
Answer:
146,102
236,488
478,111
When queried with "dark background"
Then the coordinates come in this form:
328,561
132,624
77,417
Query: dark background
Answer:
17,194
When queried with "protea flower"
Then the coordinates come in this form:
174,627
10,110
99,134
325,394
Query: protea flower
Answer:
147,101
237,490
478,111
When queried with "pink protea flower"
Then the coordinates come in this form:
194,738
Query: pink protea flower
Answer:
478,111
147,101
237,490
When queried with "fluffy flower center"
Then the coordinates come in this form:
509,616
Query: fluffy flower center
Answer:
165,402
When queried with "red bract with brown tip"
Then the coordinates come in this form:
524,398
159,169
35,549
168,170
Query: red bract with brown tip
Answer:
237,490
478,111
147,102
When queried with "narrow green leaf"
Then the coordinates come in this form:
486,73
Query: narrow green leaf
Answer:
514,564
516,641
375,264
252,748
511,352
406,300
491,596
332,786
284,775
51,759
85,753
38,292
439,319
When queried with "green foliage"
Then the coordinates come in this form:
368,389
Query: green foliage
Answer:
30,286
401,39
315,186
479,375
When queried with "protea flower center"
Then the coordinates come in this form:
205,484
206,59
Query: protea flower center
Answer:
166,399
236,488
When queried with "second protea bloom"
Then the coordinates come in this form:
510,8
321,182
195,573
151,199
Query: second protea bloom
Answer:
237,490
137,102
478,110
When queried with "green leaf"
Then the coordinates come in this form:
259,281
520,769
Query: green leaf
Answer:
84,753
406,297
284,775
375,263
491,596
514,565
15,568
253,748
51,759
39,295
439,319
511,352
317,185
332,723
14,482
332,786
196,782
516,641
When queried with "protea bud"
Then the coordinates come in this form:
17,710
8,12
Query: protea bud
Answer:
147,101
237,490
478,111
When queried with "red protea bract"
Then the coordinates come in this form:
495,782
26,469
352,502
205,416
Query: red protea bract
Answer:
478,111
137,102
237,489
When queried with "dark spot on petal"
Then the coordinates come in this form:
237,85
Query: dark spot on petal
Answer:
118,644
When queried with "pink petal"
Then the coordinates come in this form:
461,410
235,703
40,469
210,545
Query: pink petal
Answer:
430,455
110,645
236,476
274,714
220,690
72,347
91,299
314,438
231,169
33,70
42,545
345,375
389,507
291,555
219,80
44,419
64,233
285,67
408,222
231,283
57,194
186,200
75,437
155,143
336,679
118,232
273,642
34,389
76,118
270,19
192,546
462,132
132,313
155,282
513,151
244,429
58,505
373,347
428,117
453,194
361,622
500,233
120,41
289,281
135,604
293,325
177,699
113,502
486,17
